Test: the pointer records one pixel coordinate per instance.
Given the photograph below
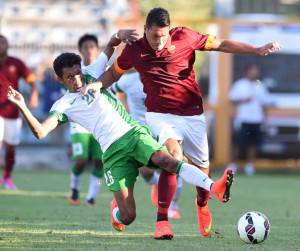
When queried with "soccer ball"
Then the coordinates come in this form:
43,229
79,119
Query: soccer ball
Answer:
253,227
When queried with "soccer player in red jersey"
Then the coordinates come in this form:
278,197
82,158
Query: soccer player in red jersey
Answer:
11,70
164,58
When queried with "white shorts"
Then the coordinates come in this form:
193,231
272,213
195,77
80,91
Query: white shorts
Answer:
10,130
190,131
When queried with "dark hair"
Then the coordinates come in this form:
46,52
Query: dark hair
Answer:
87,37
66,59
158,17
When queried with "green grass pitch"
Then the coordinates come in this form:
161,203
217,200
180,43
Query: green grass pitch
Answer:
38,217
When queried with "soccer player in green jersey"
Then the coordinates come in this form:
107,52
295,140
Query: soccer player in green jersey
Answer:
126,145
84,145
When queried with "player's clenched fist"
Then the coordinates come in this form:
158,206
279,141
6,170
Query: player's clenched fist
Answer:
15,97
268,49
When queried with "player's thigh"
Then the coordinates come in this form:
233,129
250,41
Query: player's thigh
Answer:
146,146
12,131
120,174
174,148
195,143
164,126
80,146
95,149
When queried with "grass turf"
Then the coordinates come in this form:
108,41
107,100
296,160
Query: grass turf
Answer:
38,217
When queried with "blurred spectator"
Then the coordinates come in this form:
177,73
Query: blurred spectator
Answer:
250,98
51,89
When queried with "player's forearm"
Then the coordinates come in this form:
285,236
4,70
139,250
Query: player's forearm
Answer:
114,40
35,126
109,77
112,44
231,46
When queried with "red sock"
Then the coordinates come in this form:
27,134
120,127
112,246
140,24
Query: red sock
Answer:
9,163
166,189
202,196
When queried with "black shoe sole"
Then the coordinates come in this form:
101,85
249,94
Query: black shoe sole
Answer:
230,179
165,237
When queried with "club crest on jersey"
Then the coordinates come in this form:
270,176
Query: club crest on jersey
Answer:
172,48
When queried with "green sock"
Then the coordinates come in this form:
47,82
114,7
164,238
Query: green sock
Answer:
179,165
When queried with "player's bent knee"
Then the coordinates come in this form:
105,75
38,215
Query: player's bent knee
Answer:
177,154
174,149
165,161
80,163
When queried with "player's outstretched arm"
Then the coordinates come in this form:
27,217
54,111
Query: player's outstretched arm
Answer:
40,130
232,46
127,36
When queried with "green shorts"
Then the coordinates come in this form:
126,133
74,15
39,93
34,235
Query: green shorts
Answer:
123,158
84,146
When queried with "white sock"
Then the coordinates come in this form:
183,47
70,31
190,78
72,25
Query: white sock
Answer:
114,214
194,176
94,187
75,181
154,179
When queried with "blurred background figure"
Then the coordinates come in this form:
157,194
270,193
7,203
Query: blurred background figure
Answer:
250,98
51,90
12,69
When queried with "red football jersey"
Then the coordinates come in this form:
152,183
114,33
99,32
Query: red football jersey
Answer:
168,75
11,70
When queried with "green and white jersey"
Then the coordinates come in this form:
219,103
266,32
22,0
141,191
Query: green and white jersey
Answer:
103,116
76,128
90,72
